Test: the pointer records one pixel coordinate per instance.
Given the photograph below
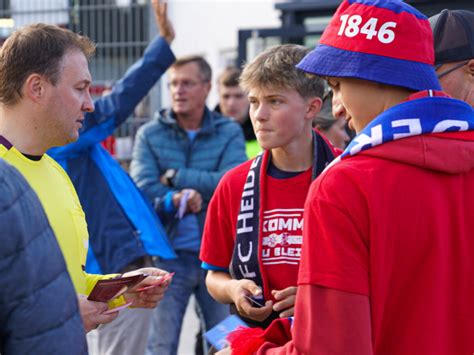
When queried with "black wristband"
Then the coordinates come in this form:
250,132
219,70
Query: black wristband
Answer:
170,174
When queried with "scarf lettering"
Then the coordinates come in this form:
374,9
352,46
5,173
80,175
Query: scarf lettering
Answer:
448,125
363,140
388,126
413,124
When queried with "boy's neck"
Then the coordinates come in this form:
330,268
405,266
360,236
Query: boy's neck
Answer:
297,156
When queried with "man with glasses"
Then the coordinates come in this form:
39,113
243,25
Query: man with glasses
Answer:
453,32
178,160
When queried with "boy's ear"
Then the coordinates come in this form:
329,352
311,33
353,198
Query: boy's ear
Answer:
313,107
470,66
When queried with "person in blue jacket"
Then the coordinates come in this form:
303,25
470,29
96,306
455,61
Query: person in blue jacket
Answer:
123,228
178,159
39,313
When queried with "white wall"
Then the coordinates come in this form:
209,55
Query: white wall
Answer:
210,28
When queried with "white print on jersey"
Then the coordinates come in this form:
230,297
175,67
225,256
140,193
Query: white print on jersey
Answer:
282,236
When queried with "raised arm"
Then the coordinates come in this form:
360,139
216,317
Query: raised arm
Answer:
113,109
140,77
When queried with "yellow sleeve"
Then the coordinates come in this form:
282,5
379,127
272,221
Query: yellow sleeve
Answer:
91,280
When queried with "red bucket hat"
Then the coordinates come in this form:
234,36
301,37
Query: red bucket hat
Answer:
388,42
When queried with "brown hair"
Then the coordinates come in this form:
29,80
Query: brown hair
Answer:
39,49
324,120
229,77
203,65
275,68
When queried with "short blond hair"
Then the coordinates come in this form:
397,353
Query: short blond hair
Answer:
276,68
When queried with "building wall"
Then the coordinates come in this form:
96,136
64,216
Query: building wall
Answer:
210,28
122,28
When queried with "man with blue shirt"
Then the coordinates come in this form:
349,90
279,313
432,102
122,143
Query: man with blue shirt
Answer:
178,161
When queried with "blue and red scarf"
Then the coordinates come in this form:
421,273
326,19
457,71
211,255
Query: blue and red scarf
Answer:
424,112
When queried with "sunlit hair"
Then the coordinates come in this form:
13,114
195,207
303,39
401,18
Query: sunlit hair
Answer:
275,68
36,49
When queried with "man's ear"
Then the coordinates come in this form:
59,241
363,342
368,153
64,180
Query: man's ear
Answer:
34,87
313,107
470,66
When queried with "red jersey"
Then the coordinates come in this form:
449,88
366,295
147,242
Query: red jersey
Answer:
396,223
281,236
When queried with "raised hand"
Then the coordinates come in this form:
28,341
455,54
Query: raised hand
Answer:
165,27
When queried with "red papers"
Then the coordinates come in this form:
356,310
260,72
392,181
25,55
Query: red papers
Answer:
158,283
116,309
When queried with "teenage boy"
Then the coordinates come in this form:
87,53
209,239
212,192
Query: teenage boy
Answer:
386,265
233,103
255,217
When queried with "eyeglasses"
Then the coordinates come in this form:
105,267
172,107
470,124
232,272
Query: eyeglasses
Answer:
450,70
185,84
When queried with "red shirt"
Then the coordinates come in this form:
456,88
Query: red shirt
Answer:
396,223
388,235
281,237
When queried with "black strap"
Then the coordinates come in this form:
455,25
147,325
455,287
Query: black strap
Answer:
244,263
322,154
5,142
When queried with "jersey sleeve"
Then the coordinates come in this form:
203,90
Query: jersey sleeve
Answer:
326,321
91,280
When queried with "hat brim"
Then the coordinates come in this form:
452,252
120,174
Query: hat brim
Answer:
326,60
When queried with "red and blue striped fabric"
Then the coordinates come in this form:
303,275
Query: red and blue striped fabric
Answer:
383,41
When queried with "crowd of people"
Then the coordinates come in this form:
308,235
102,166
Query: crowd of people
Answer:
263,207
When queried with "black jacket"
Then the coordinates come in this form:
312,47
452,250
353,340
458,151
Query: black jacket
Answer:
247,127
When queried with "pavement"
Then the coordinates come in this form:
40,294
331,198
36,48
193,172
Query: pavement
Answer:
187,339
189,330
